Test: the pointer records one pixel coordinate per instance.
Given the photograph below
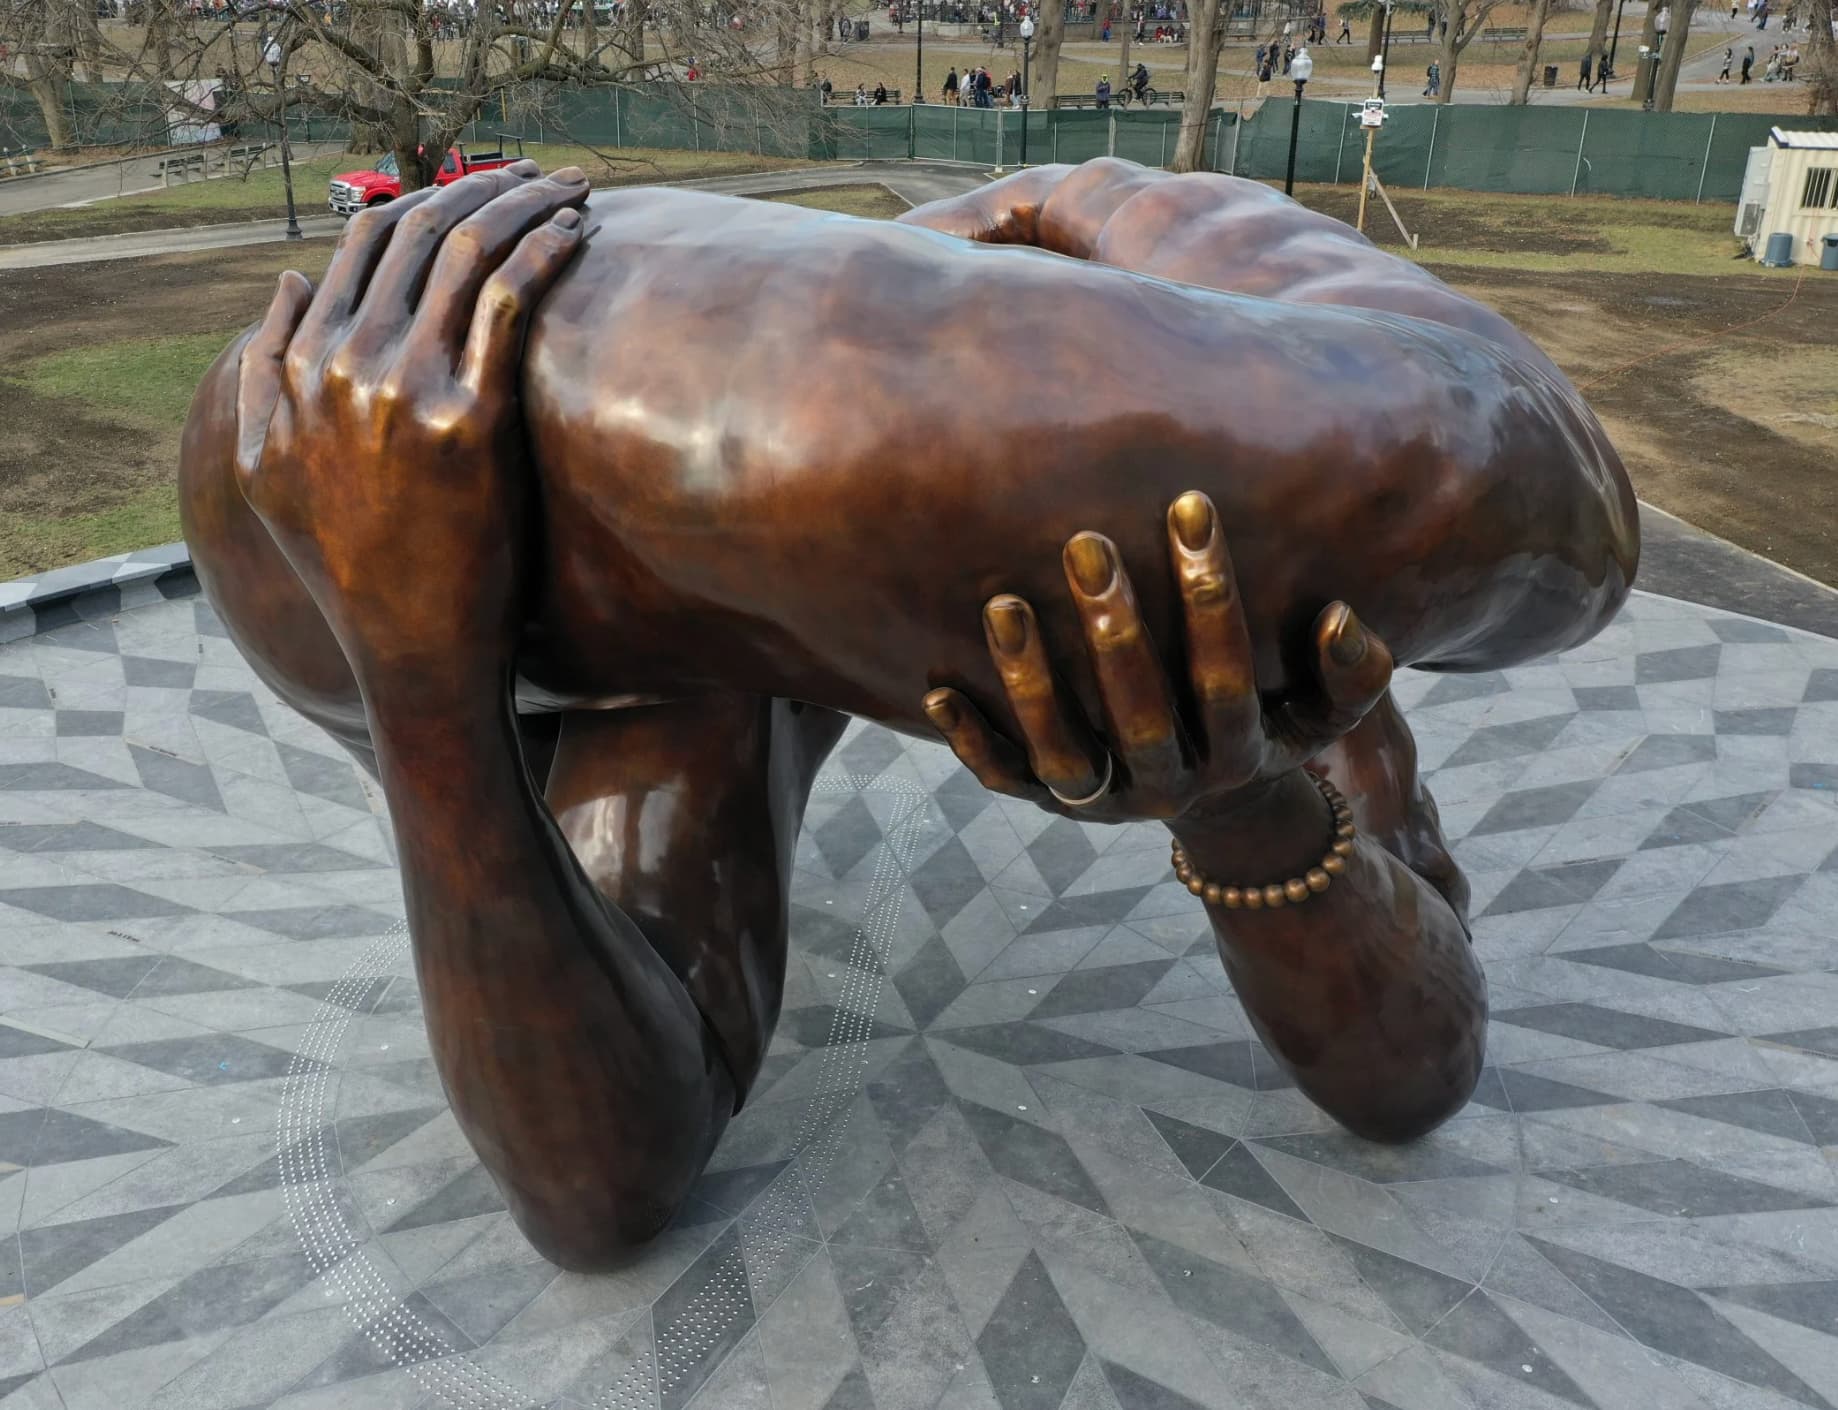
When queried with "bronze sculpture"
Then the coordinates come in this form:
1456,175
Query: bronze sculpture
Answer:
657,522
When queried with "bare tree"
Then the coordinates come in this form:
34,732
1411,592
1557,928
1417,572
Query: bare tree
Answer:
418,72
43,35
1598,34
1821,60
1528,55
1050,36
1665,81
1205,33
1649,37
1461,21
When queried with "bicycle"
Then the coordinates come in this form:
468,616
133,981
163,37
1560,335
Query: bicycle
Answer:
1126,95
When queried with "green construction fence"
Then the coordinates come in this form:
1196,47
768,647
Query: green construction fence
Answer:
1529,150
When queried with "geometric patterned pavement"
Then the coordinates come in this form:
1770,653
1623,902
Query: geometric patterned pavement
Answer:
1015,1148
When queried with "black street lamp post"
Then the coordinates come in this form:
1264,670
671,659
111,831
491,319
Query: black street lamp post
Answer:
1391,11
1027,48
277,65
1301,69
919,48
1613,43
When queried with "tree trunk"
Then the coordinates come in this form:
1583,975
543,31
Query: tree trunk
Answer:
50,87
1050,35
1528,56
1677,40
405,141
631,40
1598,33
1821,61
88,31
1643,65
1449,47
162,28
786,39
1204,35
803,66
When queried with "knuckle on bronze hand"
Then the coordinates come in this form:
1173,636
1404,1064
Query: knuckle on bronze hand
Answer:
464,245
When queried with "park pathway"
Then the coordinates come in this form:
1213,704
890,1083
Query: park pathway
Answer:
914,182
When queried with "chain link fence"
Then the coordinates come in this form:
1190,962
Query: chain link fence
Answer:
1528,150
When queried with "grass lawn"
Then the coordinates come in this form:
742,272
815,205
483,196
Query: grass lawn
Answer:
1582,234
224,200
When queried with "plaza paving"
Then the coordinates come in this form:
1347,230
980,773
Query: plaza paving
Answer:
1015,1146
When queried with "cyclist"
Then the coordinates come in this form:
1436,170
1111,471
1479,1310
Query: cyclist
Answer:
1139,81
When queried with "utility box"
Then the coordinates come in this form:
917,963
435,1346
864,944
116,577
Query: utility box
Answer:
1829,258
1550,75
1790,189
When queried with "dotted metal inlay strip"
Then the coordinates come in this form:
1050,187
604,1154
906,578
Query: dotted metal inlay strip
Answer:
310,1183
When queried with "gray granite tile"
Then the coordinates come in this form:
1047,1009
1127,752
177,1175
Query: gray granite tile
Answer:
50,777
100,901
1534,807
48,1136
1477,1330
1031,1347
1119,986
151,671
1041,1159
178,778
1234,1300
52,1253
1728,906
1608,1028
70,837
210,1059
80,724
1680,1189
1668,751
1683,663
1677,1322
1237,1173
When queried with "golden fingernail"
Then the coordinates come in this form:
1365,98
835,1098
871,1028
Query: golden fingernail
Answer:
1008,624
1193,520
1094,567
567,218
941,710
1346,641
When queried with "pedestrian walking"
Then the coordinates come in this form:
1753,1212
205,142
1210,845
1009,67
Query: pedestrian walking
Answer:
1585,81
1748,62
950,88
1729,58
1434,74
1346,31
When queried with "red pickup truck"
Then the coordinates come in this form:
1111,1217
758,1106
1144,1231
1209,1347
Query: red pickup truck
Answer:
351,191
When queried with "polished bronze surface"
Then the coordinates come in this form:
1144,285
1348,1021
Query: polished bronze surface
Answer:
584,522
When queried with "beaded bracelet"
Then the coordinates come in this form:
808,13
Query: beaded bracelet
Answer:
1298,888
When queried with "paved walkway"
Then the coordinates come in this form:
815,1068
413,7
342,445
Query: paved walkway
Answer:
86,185
1016,1147
913,182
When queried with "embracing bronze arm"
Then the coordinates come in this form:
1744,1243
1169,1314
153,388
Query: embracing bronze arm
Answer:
656,521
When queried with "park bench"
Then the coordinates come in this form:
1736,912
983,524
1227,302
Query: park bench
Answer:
22,165
1497,35
1167,97
184,168
244,160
